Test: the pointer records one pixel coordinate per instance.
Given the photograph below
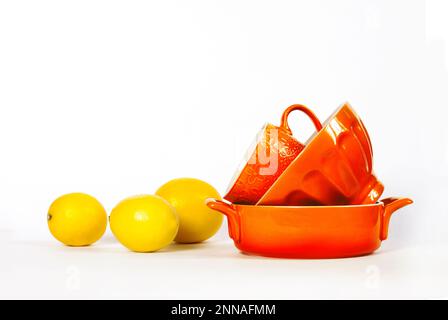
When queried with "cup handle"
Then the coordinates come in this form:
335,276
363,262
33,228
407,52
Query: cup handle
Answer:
390,206
304,109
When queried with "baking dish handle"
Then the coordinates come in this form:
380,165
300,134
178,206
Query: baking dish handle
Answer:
390,206
230,212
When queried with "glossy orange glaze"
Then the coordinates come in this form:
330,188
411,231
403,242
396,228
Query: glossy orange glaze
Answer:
309,232
274,150
335,168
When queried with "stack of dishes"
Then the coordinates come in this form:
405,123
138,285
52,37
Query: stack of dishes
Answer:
314,200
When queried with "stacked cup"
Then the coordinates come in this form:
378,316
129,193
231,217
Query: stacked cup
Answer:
318,200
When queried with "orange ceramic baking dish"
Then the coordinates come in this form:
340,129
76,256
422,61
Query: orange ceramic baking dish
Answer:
309,232
274,149
335,168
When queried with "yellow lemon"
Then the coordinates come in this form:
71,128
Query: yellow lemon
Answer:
197,221
144,223
77,219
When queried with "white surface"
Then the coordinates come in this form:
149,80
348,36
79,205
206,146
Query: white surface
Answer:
114,98
215,270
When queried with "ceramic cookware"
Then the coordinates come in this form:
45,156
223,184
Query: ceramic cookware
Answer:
335,167
309,232
273,151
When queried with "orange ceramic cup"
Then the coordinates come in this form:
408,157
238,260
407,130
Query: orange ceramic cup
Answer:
274,149
335,168
309,232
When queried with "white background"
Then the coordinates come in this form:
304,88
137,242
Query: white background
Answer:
114,98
